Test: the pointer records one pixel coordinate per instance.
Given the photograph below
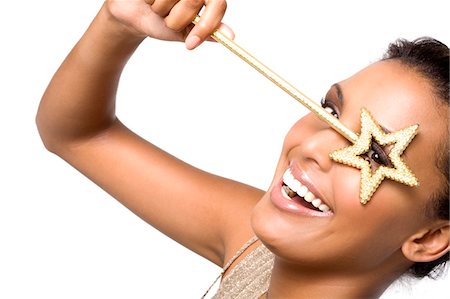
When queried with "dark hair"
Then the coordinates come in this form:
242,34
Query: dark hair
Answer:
430,58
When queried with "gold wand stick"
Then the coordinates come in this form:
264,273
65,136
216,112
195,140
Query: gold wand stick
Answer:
283,84
361,144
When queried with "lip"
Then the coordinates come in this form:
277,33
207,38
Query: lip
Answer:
292,206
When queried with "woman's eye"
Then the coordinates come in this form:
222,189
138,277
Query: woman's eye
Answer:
377,154
329,107
374,156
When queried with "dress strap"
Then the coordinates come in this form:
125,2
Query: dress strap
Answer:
231,261
239,252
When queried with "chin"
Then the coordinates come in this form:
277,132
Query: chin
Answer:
268,225
261,219
285,234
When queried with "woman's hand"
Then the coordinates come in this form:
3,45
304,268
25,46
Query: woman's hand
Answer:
170,19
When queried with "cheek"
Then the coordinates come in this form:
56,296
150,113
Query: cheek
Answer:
387,211
401,211
345,187
373,232
379,228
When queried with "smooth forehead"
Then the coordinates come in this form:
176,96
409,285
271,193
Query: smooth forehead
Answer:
395,94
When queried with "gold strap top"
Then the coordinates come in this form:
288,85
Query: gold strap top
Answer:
250,278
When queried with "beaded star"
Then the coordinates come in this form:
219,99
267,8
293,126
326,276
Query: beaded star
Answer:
370,180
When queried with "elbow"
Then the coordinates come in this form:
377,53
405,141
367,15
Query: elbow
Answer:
46,130
44,134
59,135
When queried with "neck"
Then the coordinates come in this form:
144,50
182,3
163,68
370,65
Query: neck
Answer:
288,281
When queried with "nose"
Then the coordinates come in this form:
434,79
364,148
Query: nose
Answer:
315,140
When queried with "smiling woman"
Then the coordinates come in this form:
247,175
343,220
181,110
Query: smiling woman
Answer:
365,256
307,235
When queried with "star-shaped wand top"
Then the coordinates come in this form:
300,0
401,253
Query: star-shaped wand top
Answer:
370,181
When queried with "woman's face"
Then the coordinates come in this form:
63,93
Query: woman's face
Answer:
354,237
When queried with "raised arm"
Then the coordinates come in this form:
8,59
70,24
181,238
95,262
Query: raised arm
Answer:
76,120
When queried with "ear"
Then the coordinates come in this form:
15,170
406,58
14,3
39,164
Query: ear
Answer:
428,244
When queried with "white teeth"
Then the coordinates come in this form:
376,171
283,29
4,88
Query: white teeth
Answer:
316,202
296,186
288,178
302,191
309,197
324,208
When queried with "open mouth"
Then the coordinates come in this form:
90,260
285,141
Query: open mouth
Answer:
293,189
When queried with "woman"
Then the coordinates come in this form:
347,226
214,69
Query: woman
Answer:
342,249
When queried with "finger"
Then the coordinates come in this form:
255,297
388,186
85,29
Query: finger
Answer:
209,21
183,13
163,7
225,30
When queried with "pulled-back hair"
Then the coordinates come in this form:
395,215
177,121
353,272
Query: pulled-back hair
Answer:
430,59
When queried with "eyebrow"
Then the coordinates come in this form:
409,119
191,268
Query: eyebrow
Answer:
340,96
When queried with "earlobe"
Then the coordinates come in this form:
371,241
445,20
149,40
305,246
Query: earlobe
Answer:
428,244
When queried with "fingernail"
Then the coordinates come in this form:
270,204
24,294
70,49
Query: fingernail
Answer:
192,41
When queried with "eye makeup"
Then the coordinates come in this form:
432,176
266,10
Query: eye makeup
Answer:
378,154
329,106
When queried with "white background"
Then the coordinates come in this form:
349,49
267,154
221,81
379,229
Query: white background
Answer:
63,237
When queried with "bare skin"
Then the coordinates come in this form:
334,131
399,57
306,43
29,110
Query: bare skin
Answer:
77,121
